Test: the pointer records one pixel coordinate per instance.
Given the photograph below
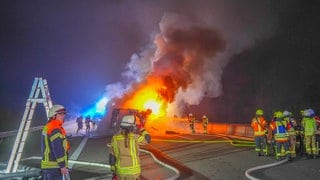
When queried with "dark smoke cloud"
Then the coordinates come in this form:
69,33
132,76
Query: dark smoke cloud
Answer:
194,43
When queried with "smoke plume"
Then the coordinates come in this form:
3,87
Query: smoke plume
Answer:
191,49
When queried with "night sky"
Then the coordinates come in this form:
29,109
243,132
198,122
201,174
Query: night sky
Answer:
270,58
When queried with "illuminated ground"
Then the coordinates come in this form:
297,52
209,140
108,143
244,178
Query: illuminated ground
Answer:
197,156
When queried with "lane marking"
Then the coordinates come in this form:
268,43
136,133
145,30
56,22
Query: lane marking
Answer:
75,155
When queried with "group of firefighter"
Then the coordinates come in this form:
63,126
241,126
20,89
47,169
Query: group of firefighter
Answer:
88,121
286,136
204,121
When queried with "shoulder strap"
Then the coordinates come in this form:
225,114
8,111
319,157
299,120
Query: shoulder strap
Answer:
285,128
259,123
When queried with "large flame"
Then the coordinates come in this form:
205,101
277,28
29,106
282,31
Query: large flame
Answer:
148,96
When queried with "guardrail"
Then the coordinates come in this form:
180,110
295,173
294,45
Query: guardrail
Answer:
14,132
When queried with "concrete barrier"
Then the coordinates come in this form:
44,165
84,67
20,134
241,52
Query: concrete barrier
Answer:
244,130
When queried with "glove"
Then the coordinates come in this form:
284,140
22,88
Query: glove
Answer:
112,159
148,138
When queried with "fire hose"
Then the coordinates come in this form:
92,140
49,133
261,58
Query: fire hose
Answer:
175,170
248,171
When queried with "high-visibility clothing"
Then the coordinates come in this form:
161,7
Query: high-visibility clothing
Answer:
293,123
259,126
280,128
54,146
309,130
309,126
205,122
127,158
281,136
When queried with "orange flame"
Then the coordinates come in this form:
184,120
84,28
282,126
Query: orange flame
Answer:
148,97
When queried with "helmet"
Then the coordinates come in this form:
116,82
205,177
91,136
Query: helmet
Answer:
55,109
308,112
278,114
204,116
312,113
127,121
190,114
259,112
286,113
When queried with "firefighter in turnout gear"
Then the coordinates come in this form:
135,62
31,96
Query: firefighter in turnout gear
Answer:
205,122
191,120
124,151
87,121
258,124
281,136
54,145
309,128
288,117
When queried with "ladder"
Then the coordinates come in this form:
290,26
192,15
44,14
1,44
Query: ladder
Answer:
39,86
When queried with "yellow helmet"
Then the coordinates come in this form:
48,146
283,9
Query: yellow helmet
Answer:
278,114
259,112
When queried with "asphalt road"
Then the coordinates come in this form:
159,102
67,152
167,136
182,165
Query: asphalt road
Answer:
195,156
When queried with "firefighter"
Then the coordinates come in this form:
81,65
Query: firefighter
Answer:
54,145
80,123
299,132
309,129
205,122
288,117
281,136
124,150
258,124
191,120
317,118
87,122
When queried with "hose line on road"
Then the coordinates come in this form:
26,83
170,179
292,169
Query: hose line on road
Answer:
72,161
177,173
232,142
248,171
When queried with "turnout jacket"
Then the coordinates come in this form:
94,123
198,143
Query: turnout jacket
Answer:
127,158
258,125
280,129
54,146
309,126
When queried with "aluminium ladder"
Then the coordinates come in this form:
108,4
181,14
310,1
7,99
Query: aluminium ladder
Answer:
39,86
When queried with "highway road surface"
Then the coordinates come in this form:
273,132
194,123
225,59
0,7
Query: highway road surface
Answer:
171,156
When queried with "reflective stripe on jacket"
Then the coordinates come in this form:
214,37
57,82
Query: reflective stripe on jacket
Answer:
292,122
309,126
127,158
279,127
258,124
54,146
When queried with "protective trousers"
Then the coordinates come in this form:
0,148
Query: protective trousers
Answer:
310,144
285,146
293,142
261,144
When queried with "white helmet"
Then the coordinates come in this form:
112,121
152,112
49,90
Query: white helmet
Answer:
127,121
55,109
286,113
204,116
190,114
